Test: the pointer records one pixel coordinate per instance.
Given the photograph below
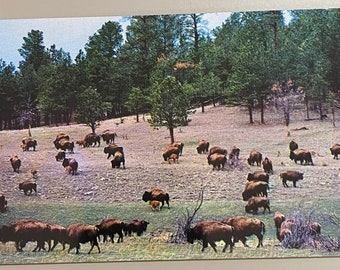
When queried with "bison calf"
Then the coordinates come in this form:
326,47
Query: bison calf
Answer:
335,150
3,203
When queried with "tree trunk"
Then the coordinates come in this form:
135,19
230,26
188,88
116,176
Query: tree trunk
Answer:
93,127
137,117
307,107
262,110
250,111
172,137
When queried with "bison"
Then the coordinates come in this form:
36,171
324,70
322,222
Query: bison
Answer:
290,175
3,203
244,226
258,176
298,228
110,227
81,143
234,153
301,155
108,136
117,159
16,163
218,150
179,145
255,202
92,139
255,188
58,234
217,160
267,165
64,145
72,163
255,157
210,232
156,195
169,151
155,205
28,186
61,136
28,143
174,158
137,226
111,149
80,233
202,147
60,155
278,219
293,145
335,150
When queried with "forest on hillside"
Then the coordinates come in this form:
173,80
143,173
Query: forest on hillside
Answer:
254,59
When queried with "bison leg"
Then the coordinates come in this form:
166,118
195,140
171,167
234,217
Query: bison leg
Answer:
243,240
260,237
213,245
230,243
284,183
94,243
294,183
205,245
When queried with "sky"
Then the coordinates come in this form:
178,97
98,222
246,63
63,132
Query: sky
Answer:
70,34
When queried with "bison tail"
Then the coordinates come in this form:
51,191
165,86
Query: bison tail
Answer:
263,227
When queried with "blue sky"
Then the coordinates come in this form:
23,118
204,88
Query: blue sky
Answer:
70,34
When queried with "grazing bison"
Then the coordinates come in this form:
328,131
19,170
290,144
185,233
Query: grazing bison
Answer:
202,147
278,219
255,156
111,149
110,227
60,156
156,195
244,226
234,153
267,165
169,151
155,205
137,226
80,233
335,150
28,185
210,232
179,145
117,159
218,150
173,157
108,136
301,155
255,188
16,163
258,176
92,139
255,202
290,175
72,163
3,203
217,160
64,145
293,145
61,136
28,143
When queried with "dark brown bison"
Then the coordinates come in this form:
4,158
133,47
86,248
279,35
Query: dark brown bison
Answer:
80,233
23,231
117,159
110,227
72,163
335,150
210,232
64,145
179,145
202,147
111,149
108,136
60,155
137,226
57,234
234,153
28,143
156,195
258,176
169,151
255,157
16,163
301,155
218,150
255,188
267,165
92,139
217,160
255,202
293,145
3,203
244,226
290,175
28,186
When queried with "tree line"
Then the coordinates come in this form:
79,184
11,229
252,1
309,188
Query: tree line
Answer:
169,64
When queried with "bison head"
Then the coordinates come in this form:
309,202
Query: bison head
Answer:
146,196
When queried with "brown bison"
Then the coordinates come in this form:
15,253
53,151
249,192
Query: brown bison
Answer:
117,159
64,145
28,143
255,202
60,155
16,163
278,219
244,226
92,139
169,151
137,226
81,143
298,228
61,136
111,149
290,175
110,227
267,165
293,145
301,155
255,157
218,150
155,205
258,176
179,145
335,150
210,232
202,147
217,160
28,186
80,233
174,158
108,136
234,153
156,195
255,188
72,163
3,203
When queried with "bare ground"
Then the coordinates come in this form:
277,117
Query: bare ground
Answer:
222,126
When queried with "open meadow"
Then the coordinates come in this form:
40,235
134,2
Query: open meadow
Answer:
99,191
